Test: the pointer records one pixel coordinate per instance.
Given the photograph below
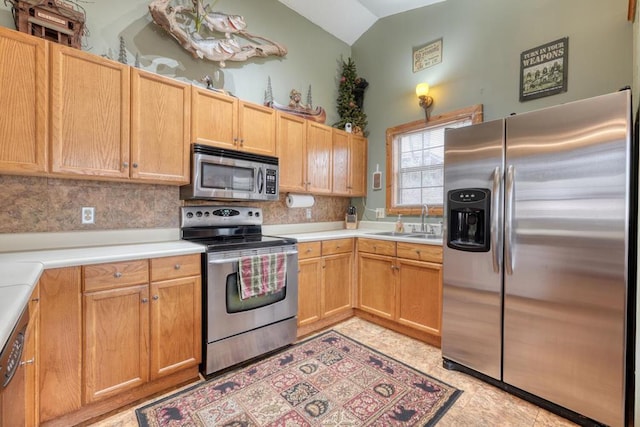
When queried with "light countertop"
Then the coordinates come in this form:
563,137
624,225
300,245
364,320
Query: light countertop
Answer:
20,271
23,257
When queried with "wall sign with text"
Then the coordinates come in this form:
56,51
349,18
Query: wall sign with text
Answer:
543,70
427,55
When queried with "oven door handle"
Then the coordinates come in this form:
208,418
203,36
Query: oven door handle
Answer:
237,259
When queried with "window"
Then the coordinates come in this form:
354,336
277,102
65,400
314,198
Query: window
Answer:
415,161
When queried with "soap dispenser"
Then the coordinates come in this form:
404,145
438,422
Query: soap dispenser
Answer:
399,224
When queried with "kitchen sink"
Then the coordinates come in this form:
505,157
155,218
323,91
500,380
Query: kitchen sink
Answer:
392,233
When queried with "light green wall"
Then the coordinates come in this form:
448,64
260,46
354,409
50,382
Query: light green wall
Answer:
482,42
313,55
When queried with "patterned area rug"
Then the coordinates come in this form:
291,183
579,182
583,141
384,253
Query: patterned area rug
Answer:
329,379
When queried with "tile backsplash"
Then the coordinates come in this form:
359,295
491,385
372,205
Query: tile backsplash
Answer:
37,204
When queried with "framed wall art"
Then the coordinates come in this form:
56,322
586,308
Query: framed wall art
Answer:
544,70
427,55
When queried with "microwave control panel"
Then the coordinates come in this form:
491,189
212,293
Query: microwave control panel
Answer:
271,186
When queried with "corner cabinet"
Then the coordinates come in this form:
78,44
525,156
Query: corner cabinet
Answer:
400,287
124,331
349,164
223,121
24,106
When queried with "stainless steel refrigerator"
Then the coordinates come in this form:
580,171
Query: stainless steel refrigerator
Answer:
539,256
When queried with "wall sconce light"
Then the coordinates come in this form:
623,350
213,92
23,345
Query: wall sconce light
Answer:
426,101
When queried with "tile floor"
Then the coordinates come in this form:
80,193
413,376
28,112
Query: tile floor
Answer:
479,405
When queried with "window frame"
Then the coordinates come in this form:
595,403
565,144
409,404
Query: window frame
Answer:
473,113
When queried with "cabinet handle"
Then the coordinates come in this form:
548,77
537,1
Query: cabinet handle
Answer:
145,300
36,300
242,142
117,275
28,362
135,165
177,266
309,250
156,297
235,141
125,164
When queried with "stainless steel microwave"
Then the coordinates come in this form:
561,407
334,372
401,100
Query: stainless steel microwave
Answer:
220,174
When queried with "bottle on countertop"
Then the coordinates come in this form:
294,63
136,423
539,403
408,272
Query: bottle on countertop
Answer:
399,224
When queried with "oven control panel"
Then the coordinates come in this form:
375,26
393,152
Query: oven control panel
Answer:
212,216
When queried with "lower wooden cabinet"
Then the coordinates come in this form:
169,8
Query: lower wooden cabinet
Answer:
324,283
123,331
401,285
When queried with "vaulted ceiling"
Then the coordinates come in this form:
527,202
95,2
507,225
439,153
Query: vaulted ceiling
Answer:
349,19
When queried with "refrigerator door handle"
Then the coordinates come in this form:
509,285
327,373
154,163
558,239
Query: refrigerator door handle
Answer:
495,220
508,220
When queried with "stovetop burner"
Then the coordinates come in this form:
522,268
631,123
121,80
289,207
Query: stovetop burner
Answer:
226,228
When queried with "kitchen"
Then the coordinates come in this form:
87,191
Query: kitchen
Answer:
469,77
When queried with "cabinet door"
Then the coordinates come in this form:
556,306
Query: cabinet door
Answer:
175,325
90,114
160,122
214,119
309,282
116,341
420,295
257,128
292,152
358,166
337,284
319,143
60,363
24,106
376,285
340,160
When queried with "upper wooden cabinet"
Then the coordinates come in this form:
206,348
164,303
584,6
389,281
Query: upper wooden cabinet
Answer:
24,106
160,128
226,122
90,110
349,164
319,158
292,152
109,120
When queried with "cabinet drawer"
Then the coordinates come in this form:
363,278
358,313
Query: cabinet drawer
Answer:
418,252
337,246
172,267
380,247
115,275
309,250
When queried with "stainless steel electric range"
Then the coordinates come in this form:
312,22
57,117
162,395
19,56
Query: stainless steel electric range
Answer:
237,329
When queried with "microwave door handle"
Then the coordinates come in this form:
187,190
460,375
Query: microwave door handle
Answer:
260,180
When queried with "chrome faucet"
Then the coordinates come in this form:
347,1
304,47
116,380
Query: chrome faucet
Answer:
423,214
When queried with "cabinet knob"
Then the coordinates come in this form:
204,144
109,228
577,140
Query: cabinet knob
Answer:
242,142
117,275
125,164
145,300
177,266
156,297
135,165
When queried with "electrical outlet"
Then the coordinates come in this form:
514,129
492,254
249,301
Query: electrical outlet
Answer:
88,215
308,213
380,213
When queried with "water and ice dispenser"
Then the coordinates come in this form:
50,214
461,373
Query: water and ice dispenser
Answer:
469,212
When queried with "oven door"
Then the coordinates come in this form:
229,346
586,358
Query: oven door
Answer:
228,315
